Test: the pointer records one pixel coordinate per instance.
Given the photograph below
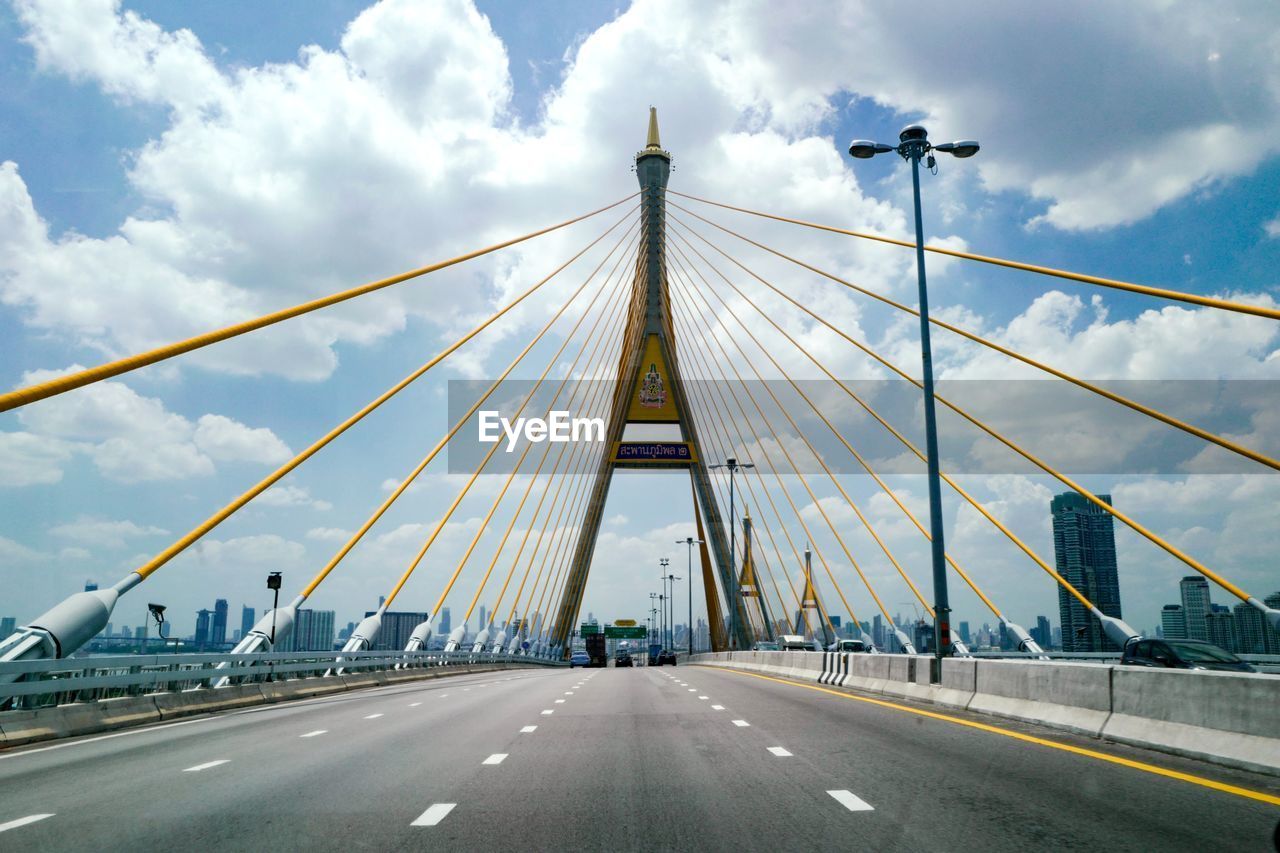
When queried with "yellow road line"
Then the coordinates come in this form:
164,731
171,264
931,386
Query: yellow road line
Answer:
1065,747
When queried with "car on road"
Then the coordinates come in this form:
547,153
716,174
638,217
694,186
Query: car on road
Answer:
1182,654
848,646
666,656
579,659
765,646
623,659
794,643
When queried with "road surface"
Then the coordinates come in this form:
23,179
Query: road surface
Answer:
672,758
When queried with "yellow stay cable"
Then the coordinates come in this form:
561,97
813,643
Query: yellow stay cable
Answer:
462,493
1026,549
444,441
849,500
590,403
884,547
862,461
1061,477
1169,420
723,440
62,384
223,514
786,494
591,335
1163,293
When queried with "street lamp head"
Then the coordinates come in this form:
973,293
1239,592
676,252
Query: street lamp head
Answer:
157,611
865,149
913,133
273,580
962,148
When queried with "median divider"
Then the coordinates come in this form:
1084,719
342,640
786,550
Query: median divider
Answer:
1226,718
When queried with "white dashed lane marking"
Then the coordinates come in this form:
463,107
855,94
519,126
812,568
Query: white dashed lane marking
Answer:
717,707
851,802
496,758
316,733
741,723
414,704
528,730
702,697
779,751
559,701
373,716
23,821
548,712
434,815
206,765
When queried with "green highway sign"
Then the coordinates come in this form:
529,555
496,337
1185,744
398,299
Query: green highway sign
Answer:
625,632
589,628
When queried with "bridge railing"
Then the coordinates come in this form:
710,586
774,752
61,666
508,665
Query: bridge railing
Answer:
46,683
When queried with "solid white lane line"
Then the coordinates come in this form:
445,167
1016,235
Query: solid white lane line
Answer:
717,707
433,815
206,765
741,723
779,751
496,758
548,712
373,716
315,733
851,801
23,821
528,730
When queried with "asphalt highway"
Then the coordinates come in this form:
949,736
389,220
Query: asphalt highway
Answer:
672,758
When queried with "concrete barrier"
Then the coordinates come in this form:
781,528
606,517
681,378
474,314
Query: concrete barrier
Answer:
190,702
1072,696
23,727
1226,718
1231,718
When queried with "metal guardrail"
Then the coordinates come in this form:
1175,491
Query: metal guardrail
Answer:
1263,663
56,682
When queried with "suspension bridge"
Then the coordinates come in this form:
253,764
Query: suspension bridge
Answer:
679,337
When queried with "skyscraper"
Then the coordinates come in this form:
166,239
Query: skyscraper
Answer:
1043,633
1173,622
6,627
1255,634
397,627
312,632
219,631
1221,627
246,620
483,623
1195,606
964,631
90,586
445,625
1084,547
204,623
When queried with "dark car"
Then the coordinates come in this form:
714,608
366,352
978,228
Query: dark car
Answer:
623,659
1182,654
666,656
579,659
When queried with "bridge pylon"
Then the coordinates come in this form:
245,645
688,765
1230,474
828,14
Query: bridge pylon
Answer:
650,390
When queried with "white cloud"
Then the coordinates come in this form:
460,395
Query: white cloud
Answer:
263,549
15,553
291,496
27,459
329,534
131,438
104,533
1272,227
222,438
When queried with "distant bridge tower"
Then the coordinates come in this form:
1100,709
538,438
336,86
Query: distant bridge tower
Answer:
650,390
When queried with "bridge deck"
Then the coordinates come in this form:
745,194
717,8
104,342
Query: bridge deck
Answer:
630,760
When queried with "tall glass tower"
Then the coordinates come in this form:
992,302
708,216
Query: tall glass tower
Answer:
1084,545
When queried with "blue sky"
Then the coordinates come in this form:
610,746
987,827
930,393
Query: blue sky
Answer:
234,169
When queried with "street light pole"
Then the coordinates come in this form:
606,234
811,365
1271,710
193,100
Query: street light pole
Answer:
273,583
913,145
689,542
671,604
733,465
